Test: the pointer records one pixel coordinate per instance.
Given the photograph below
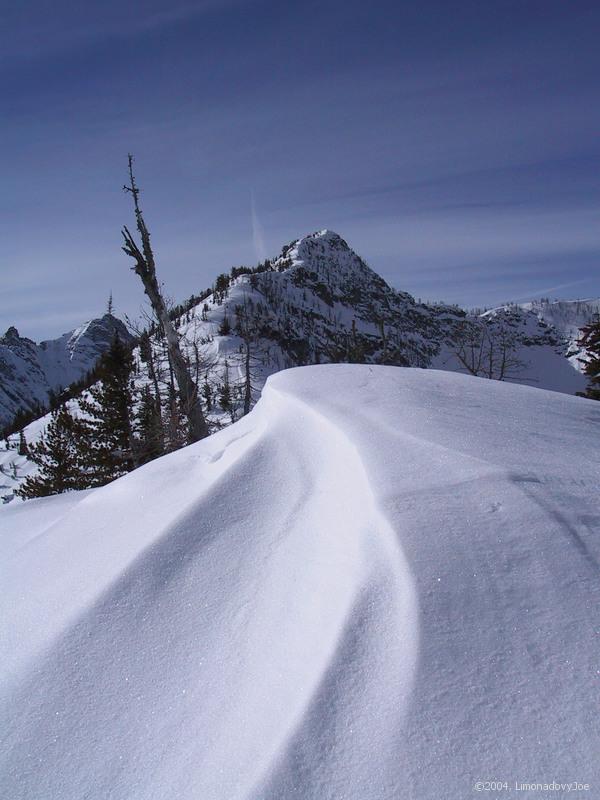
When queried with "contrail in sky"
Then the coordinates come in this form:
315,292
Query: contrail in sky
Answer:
550,290
257,232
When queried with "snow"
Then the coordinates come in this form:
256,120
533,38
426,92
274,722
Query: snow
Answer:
317,302
29,371
544,348
566,316
14,468
541,366
381,583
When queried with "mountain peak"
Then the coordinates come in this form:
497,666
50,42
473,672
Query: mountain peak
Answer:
30,371
98,331
11,333
324,257
325,238
328,235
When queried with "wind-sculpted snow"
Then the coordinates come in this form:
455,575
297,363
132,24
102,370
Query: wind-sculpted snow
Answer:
381,583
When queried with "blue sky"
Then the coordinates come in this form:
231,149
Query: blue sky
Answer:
454,145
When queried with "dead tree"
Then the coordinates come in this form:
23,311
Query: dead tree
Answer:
246,328
489,349
145,267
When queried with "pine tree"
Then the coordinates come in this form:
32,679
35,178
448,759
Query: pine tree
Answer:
590,341
109,450
355,351
225,395
247,330
207,394
23,449
176,434
150,440
57,457
225,326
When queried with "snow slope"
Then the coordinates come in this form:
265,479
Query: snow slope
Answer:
566,316
317,302
30,371
381,583
542,355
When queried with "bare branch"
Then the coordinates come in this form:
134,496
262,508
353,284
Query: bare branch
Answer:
145,267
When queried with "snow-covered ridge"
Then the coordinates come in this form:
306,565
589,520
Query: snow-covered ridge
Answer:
559,322
317,302
30,371
566,316
409,606
328,255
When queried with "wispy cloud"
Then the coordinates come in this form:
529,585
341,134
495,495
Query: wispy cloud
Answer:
547,290
30,32
257,231
461,165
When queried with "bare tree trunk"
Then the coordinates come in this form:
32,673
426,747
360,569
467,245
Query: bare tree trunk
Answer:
154,379
145,267
383,341
248,384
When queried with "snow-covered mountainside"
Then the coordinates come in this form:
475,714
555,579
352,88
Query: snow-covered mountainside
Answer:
544,336
30,371
381,583
518,345
567,317
319,302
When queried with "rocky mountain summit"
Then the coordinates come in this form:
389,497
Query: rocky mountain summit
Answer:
320,302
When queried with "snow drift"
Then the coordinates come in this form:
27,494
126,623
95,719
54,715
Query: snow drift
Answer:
381,583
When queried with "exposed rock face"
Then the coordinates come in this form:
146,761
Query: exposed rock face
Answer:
321,302
29,371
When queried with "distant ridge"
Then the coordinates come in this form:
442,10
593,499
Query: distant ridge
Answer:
316,302
29,372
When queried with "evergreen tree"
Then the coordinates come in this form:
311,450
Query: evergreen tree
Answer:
247,324
225,399
23,449
147,357
355,351
225,326
150,442
176,433
145,347
57,457
207,394
590,341
109,449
